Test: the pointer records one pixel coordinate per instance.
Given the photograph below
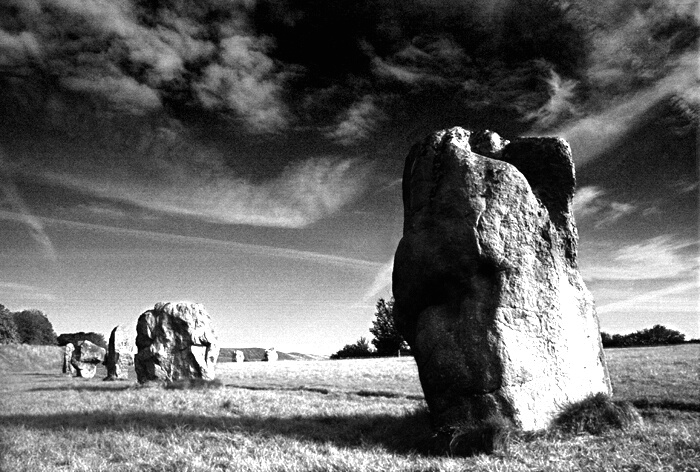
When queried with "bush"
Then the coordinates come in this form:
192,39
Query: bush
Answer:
33,327
8,328
354,351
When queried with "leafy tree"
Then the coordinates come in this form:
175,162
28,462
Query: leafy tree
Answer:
354,351
656,336
95,338
8,329
387,339
34,327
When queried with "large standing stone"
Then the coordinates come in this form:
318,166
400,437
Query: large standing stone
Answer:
487,290
119,355
68,368
175,341
85,358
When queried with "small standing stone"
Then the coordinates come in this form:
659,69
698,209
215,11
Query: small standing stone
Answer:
238,356
68,368
270,355
119,355
85,358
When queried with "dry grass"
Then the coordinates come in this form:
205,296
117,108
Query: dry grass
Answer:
310,416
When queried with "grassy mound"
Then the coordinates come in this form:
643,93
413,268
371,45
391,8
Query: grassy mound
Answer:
596,415
26,358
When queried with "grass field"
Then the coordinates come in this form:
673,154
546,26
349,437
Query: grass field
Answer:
364,415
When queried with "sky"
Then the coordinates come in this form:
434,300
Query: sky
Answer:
247,154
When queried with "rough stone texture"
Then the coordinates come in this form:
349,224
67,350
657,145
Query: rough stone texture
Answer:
238,356
85,358
270,355
486,284
68,368
119,355
175,341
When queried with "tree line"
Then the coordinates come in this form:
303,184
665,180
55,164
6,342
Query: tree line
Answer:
656,336
32,326
388,341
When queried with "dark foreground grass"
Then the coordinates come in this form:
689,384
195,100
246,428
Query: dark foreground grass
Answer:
295,423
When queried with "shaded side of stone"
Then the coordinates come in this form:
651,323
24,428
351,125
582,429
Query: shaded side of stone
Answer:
548,166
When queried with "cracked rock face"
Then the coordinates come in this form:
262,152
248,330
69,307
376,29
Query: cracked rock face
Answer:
175,341
486,283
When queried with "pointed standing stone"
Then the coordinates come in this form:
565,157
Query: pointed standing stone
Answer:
119,355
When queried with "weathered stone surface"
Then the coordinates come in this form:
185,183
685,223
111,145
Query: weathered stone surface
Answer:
119,355
175,341
486,284
68,368
238,356
85,358
270,355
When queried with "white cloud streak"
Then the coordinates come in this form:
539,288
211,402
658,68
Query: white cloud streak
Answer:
303,194
382,281
23,291
591,136
259,250
655,258
662,300
13,197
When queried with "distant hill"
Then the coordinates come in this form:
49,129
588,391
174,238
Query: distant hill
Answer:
253,354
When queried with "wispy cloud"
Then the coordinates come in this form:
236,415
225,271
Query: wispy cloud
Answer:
590,204
662,257
679,297
381,282
591,136
358,122
560,105
303,194
16,202
260,250
26,292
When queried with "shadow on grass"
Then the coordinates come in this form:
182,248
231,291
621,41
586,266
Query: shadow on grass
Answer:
410,433
646,404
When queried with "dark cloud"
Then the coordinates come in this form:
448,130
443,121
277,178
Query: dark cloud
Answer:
252,94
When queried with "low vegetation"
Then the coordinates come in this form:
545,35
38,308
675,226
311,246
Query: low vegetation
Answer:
345,415
656,336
